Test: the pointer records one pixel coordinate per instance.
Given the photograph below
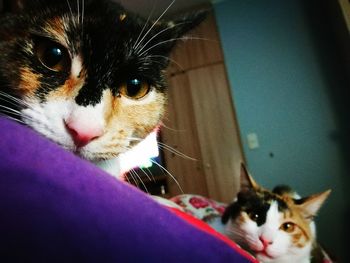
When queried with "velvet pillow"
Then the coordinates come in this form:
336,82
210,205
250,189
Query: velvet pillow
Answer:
56,207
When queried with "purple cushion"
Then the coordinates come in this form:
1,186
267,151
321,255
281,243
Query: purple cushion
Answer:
56,207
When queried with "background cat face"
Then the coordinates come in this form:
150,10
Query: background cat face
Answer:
88,75
276,228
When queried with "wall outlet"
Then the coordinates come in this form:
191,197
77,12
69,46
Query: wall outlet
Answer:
252,139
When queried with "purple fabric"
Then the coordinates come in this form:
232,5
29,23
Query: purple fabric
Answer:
56,207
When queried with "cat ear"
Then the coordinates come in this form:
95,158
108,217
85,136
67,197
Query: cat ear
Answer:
185,23
227,214
168,33
247,181
18,6
13,6
310,205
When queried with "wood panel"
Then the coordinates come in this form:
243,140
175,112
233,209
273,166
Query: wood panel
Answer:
345,7
217,130
180,133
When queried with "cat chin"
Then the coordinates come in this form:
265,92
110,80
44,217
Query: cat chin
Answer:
264,257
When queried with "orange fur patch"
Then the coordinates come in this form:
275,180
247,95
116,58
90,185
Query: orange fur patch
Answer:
55,29
29,82
70,89
302,233
135,120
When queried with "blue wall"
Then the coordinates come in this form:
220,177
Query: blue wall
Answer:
280,92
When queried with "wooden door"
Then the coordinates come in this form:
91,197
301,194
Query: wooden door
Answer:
180,133
201,124
201,121
217,130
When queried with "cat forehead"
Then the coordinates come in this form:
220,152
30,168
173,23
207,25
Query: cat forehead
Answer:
71,31
262,198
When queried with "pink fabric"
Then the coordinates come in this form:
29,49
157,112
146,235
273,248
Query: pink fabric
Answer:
199,206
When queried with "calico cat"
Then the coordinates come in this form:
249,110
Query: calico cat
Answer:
275,226
86,74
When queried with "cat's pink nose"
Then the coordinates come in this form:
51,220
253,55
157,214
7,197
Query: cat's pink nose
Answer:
266,242
82,134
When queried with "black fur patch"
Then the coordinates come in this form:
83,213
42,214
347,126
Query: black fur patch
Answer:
256,202
112,49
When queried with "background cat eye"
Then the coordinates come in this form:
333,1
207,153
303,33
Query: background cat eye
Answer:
288,227
135,88
53,55
253,216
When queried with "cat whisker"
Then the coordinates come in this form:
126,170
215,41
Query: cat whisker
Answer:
10,110
22,118
169,59
11,99
155,22
168,173
12,118
147,175
159,62
136,44
152,176
237,233
235,230
173,40
236,237
133,178
168,148
7,101
127,179
139,179
78,10
171,129
70,9
160,32
174,151
82,15
153,61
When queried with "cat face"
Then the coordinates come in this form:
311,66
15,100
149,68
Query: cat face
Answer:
276,228
87,75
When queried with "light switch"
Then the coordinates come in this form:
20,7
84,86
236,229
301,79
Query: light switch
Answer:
252,139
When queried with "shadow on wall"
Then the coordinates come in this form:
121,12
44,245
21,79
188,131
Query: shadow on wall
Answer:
335,65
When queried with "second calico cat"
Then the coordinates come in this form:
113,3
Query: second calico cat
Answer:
276,226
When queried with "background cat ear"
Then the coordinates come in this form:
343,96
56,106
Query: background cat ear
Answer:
228,213
247,181
310,205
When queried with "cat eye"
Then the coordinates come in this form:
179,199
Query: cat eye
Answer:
253,216
288,227
53,55
135,88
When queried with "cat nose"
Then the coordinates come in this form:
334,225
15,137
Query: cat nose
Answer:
266,242
82,134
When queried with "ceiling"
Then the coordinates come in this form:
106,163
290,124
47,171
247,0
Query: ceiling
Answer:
145,7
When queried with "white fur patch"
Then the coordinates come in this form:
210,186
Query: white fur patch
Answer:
50,119
111,166
77,66
281,249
